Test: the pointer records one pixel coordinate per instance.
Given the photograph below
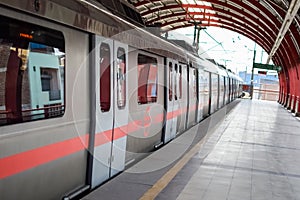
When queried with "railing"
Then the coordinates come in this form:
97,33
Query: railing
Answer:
264,94
9,117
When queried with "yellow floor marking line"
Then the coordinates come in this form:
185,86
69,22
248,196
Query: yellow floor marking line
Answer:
167,178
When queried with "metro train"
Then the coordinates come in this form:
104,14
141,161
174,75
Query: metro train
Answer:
85,93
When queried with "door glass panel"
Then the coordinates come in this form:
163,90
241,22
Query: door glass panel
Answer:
194,83
121,78
105,77
147,79
180,82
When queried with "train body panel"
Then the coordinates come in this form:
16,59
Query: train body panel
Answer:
222,86
111,105
182,91
200,96
84,93
214,92
192,107
227,90
206,93
37,162
172,105
146,102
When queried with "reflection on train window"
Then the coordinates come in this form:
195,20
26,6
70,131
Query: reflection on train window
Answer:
170,81
50,83
221,83
194,82
104,77
31,72
147,79
121,78
180,82
214,78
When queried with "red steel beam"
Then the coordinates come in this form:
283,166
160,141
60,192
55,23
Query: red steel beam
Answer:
262,35
142,3
270,25
250,35
287,55
170,7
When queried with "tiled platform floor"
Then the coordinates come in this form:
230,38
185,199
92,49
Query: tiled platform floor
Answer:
254,153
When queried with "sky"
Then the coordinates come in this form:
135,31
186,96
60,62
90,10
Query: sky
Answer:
228,48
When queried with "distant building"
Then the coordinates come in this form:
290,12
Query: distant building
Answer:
258,79
266,87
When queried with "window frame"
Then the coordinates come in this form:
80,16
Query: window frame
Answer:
105,79
122,92
22,36
145,65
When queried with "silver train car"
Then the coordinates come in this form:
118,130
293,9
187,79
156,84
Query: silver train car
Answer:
84,94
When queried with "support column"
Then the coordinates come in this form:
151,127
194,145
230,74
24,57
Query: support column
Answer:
297,104
13,88
297,107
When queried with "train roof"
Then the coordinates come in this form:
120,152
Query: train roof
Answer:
208,66
222,71
185,45
92,17
234,76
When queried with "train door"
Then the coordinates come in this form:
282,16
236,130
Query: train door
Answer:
231,89
171,101
206,93
192,97
214,92
201,90
227,89
182,97
109,142
222,91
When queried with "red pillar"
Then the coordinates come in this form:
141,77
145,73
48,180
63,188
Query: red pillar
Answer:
281,88
285,81
13,88
292,73
297,105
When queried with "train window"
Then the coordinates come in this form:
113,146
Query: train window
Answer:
170,81
194,82
176,85
31,72
105,77
180,82
121,78
147,79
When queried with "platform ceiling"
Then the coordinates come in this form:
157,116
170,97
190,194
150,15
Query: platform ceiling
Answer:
264,21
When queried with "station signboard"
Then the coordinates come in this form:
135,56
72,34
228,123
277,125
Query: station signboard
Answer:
267,67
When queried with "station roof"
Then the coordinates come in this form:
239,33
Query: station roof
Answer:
273,24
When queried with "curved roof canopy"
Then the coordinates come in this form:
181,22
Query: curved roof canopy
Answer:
273,24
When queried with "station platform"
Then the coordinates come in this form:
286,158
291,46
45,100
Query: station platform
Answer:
251,152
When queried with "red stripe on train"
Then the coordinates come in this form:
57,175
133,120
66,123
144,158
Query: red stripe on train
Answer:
29,159
20,162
